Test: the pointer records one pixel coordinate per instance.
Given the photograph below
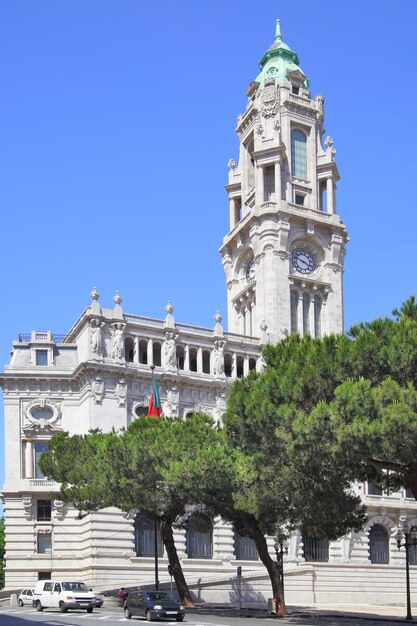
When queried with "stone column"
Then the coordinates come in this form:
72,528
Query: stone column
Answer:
330,195
136,350
150,352
187,358
259,185
300,315
28,458
277,172
199,360
246,365
311,316
232,214
234,365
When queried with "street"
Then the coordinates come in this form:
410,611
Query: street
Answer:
26,615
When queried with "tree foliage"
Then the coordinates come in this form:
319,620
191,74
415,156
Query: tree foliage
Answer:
143,467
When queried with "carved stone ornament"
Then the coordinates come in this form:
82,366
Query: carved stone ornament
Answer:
218,357
27,505
276,125
94,295
170,405
259,129
261,364
117,299
42,414
170,350
284,330
217,317
117,345
269,99
169,308
231,164
97,387
121,392
60,509
96,338
219,407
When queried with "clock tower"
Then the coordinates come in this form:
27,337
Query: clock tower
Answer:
284,254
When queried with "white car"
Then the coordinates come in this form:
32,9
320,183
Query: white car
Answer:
25,597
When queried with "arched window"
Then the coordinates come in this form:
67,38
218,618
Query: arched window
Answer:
298,154
228,364
245,548
206,362
129,349
378,544
252,364
143,352
157,354
180,356
141,410
193,359
199,542
294,311
145,537
239,366
317,316
316,550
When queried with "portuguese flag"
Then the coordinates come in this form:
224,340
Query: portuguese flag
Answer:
155,407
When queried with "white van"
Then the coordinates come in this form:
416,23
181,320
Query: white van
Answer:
63,595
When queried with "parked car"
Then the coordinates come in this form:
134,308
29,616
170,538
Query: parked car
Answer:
99,601
25,597
152,605
64,595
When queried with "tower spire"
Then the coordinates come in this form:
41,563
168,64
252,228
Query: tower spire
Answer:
278,36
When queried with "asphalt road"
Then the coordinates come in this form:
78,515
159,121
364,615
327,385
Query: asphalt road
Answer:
27,616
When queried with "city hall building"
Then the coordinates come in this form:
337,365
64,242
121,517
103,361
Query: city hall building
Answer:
283,259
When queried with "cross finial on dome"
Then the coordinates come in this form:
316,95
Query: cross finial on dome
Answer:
278,31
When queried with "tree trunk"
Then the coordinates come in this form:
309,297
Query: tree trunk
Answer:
174,562
271,565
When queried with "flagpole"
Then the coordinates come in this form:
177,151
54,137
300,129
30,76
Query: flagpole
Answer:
155,522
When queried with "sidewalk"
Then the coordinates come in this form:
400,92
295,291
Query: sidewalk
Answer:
354,611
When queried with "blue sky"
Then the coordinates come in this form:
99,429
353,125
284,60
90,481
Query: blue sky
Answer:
117,120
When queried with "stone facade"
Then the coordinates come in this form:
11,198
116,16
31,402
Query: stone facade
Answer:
283,260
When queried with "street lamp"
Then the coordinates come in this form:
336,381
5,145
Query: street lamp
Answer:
281,548
410,539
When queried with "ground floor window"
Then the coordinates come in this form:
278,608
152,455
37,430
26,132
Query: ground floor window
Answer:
378,544
316,550
145,537
199,541
245,548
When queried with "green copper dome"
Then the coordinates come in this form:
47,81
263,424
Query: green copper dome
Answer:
278,61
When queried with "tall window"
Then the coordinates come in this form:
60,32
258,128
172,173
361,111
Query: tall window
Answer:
298,154
294,311
43,510
269,183
41,357
129,349
315,549
44,543
199,542
378,544
38,448
245,548
145,537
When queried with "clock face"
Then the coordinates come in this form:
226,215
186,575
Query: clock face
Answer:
250,271
303,261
